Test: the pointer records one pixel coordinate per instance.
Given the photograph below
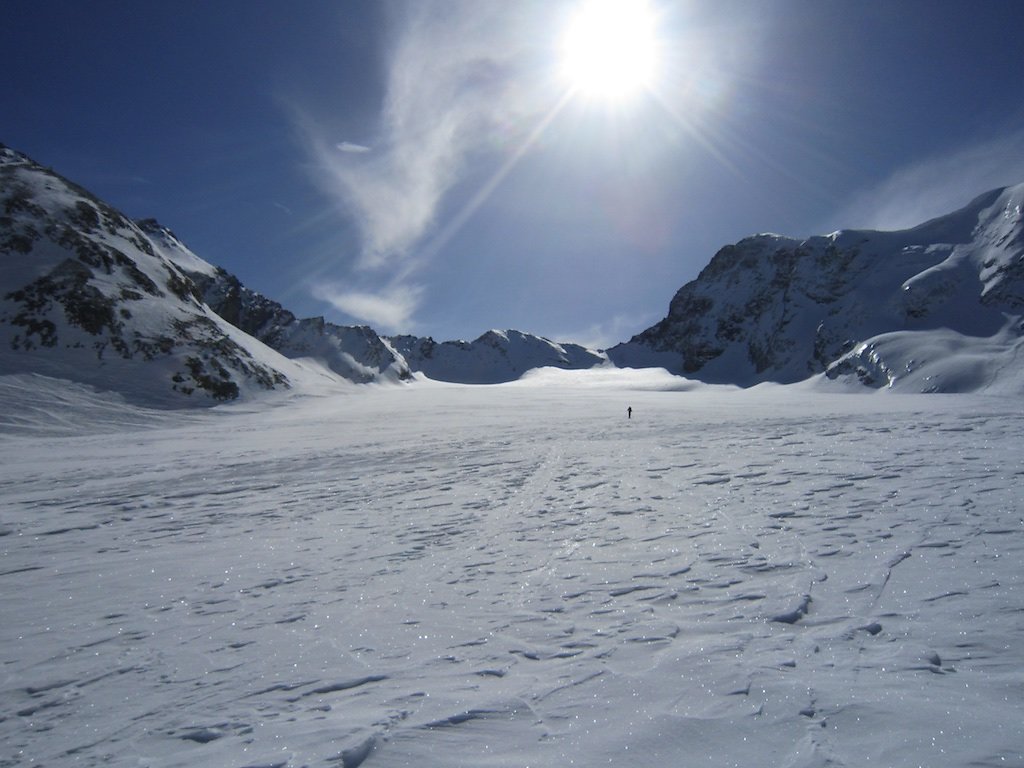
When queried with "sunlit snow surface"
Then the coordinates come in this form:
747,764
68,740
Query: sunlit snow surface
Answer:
514,575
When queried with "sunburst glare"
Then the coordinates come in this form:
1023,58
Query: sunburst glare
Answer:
609,50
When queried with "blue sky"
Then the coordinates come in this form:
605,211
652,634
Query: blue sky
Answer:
422,166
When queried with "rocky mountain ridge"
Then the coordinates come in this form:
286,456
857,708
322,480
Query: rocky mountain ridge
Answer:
356,353
90,295
905,309
87,296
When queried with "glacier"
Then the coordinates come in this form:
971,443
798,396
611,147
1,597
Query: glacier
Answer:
512,575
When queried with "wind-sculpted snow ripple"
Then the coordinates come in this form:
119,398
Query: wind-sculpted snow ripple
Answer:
520,576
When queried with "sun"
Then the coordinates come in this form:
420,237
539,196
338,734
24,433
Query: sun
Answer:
609,50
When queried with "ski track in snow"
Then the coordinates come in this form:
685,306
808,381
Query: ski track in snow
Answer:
517,576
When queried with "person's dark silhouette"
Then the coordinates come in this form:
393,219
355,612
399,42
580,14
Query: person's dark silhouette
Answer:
629,412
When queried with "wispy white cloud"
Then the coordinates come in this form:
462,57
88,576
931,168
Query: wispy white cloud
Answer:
454,88
937,185
349,147
389,310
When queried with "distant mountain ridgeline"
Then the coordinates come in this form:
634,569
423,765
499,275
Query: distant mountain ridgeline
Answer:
88,295
494,357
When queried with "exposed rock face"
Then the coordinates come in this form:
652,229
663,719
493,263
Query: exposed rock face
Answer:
772,308
355,353
85,295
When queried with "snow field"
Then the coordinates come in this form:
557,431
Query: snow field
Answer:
515,576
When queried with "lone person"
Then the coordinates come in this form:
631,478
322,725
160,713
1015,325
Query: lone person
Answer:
629,412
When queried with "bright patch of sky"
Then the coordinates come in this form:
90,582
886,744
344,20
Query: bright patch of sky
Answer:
425,166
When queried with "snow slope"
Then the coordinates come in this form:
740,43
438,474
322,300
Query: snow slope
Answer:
356,353
85,295
934,308
514,575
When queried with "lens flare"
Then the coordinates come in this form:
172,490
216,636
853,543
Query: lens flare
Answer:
610,49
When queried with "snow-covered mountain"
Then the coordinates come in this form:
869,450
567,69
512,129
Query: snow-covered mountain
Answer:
86,295
91,296
494,357
933,308
356,353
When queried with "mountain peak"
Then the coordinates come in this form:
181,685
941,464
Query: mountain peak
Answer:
772,308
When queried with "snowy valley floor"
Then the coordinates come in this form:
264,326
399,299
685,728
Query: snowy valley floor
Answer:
441,576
